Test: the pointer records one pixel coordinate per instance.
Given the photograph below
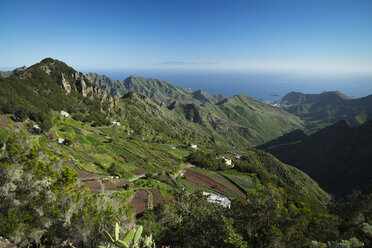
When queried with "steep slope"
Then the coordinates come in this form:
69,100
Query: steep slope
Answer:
106,83
48,86
238,121
290,175
320,110
254,120
338,156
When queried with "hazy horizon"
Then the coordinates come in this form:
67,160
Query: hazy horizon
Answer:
259,85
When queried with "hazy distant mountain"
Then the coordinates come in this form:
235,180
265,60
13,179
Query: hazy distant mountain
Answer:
5,74
159,91
338,157
320,110
237,121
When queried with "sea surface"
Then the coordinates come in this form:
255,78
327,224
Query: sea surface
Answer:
259,85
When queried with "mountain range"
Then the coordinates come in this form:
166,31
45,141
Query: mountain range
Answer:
321,110
81,153
158,110
213,122
237,121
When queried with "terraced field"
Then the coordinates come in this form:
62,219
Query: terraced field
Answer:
212,181
244,181
108,145
140,201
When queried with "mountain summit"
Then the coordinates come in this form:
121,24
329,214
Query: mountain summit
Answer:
321,110
51,85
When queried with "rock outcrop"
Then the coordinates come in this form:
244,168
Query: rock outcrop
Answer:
66,85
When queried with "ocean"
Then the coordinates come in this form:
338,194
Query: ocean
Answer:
259,85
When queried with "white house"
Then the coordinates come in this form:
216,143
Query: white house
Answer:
36,126
194,146
227,161
61,140
220,200
116,123
65,114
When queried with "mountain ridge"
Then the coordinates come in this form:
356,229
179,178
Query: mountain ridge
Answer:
321,110
241,116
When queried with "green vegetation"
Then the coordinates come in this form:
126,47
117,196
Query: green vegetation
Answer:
353,242
238,121
109,150
244,181
41,203
132,239
268,169
49,86
45,203
338,156
321,110
206,160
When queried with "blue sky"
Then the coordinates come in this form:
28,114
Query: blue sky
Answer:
317,35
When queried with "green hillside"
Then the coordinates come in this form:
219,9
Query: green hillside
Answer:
297,179
253,120
49,86
320,110
338,156
239,121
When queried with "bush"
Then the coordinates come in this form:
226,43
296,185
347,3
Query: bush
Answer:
78,116
206,160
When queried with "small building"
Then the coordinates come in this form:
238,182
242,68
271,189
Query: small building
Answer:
194,146
218,199
237,156
116,123
61,140
65,114
226,161
36,126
